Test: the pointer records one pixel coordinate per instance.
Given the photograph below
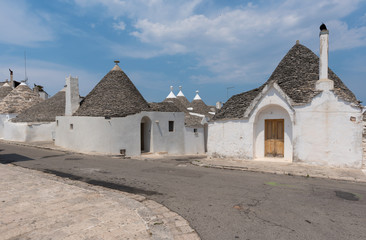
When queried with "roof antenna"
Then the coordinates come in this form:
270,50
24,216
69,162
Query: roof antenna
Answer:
25,68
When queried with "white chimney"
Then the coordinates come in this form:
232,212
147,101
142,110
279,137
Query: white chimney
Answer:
72,95
324,83
219,105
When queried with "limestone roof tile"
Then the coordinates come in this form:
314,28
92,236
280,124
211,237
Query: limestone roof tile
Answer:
45,111
19,99
114,96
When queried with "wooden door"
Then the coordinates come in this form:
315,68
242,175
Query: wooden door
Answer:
274,137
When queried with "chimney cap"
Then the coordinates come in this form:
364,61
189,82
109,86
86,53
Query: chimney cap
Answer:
323,27
116,62
297,41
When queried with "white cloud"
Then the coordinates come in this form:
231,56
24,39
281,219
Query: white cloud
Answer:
235,43
19,25
120,26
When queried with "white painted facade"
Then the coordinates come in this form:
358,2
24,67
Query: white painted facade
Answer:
328,131
194,140
3,119
29,132
109,136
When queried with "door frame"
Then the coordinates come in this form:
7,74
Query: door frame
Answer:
274,138
145,135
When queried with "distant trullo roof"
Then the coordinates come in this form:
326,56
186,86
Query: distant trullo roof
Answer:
21,98
296,74
199,106
114,96
163,107
45,111
5,89
182,98
171,98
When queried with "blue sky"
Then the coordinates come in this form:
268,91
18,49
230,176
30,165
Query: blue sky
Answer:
199,44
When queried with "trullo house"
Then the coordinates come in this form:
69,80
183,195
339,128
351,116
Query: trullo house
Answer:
18,100
38,122
114,118
303,113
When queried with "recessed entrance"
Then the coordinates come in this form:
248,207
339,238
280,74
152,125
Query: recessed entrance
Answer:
274,137
145,134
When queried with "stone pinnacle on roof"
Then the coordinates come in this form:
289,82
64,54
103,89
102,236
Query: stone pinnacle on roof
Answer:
197,97
116,67
171,94
180,94
114,96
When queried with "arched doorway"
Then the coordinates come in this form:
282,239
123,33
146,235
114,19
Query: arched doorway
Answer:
273,134
205,136
145,134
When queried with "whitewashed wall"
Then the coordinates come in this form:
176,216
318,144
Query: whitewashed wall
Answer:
325,133
4,118
230,139
29,132
194,142
108,136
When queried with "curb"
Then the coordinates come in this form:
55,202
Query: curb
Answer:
279,172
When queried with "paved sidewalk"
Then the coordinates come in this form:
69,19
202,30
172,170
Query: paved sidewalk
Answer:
35,205
298,169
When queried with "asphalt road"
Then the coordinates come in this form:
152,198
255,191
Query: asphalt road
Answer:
219,204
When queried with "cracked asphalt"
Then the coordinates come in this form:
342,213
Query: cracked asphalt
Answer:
219,204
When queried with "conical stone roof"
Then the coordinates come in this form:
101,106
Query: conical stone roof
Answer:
177,103
296,74
200,107
45,111
21,98
114,96
5,90
182,98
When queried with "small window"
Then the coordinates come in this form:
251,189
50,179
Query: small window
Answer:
57,123
171,126
71,126
195,130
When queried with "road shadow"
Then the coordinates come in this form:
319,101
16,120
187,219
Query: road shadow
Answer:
115,186
13,157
